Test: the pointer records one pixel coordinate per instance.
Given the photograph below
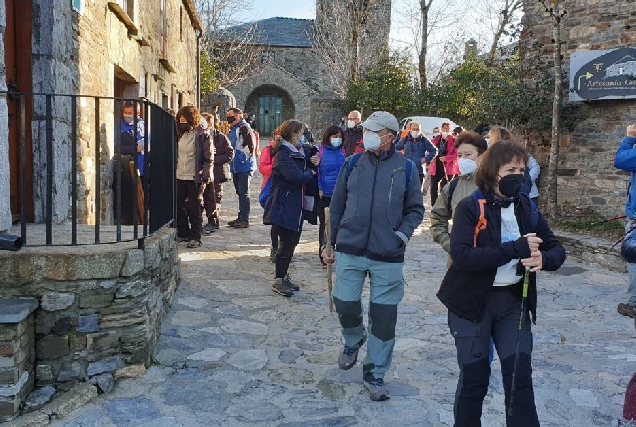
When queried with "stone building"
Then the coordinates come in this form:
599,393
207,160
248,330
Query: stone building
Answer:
586,176
98,48
292,81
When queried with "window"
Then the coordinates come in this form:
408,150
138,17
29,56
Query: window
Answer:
181,23
164,28
267,57
129,7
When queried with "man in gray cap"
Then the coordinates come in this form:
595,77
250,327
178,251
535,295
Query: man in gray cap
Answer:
375,208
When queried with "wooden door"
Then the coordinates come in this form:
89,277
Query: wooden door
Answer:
269,114
17,48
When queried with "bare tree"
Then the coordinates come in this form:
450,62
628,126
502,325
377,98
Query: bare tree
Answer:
425,22
341,38
233,49
506,14
424,8
556,12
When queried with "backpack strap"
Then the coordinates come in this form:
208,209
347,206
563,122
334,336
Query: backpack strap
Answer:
451,189
351,162
482,223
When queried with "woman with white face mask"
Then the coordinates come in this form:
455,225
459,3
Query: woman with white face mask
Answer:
470,146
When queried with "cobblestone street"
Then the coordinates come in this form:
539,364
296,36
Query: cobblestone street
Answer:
234,353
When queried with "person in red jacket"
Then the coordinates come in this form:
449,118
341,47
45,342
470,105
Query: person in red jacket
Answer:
444,166
265,168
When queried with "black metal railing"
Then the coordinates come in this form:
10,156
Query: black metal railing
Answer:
142,204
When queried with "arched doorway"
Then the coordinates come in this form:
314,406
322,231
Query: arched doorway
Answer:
272,106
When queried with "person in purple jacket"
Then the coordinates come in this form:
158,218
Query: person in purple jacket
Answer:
332,156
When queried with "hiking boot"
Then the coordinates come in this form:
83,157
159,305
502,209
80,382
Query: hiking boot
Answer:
231,223
282,287
193,244
378,390
349,356
241,224
627,310
295,286
209,228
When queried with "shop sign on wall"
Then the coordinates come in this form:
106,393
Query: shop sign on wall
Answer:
603,74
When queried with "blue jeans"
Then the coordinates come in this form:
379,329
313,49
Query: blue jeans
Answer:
387,290
241,182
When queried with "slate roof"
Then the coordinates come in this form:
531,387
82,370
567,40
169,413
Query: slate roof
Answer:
282,32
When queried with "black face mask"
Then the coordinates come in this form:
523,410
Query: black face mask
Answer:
230,119
510,185
184,127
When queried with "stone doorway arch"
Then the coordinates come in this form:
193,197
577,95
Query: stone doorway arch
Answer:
272,105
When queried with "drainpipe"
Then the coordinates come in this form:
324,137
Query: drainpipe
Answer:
198,102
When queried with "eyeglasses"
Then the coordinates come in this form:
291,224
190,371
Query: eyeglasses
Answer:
231,117
353,118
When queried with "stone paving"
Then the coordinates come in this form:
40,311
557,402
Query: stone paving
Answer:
234,353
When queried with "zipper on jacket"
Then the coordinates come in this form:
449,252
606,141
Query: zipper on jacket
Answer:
375,175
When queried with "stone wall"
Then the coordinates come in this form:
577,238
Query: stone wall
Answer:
587,177
92,53
100,306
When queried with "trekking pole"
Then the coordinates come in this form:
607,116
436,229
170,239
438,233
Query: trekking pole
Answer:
328,252
524,296
609,219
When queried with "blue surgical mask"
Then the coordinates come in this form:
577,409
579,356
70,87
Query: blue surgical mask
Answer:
336,142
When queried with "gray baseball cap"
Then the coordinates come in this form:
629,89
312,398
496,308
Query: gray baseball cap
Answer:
379,120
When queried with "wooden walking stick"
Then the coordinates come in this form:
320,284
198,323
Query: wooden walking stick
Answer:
328,252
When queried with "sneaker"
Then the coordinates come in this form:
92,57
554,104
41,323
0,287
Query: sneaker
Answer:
349,356
241,224
295,286
182,239
231,223
281,287
627,310
378,390
193,244
209,228
272,254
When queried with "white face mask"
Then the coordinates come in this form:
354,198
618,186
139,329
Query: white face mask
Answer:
415,134
371,141
466,166
336,142
351,124
130,119
444,134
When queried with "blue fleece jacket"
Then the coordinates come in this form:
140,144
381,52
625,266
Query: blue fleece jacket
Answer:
331,160
625,159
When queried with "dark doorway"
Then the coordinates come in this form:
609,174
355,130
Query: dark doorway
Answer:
17,48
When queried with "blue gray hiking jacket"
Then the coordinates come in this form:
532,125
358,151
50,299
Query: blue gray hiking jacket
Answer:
373,213
625,159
